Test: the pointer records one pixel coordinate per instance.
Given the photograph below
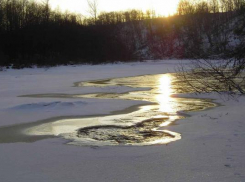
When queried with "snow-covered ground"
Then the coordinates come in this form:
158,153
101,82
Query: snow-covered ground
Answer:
211,149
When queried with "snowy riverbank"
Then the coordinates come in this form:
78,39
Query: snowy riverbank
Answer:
211,149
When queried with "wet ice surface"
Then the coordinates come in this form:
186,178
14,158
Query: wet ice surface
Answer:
48,105
141,133
145,125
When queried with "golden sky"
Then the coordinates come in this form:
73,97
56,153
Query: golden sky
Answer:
162,7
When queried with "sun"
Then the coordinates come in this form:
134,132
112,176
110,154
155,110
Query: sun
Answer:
165,7
161,7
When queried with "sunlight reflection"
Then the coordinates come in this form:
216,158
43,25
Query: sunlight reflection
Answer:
164,94
138,125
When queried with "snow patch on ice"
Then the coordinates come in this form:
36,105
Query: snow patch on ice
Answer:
48,105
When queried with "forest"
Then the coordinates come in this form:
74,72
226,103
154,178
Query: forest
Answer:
32,34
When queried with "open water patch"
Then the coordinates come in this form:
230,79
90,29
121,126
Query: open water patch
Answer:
144,126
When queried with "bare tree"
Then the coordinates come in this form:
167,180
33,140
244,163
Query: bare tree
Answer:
1,15
222,75
185,7
214,6
93,8
203,76
46,10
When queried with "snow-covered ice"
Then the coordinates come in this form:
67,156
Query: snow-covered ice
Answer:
211,149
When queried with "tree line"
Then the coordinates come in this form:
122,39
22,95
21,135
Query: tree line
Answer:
32,33
209,28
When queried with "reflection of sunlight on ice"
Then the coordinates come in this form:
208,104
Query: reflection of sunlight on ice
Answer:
164,93
157,116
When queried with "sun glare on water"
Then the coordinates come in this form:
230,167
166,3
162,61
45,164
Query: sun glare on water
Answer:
161,7
164,96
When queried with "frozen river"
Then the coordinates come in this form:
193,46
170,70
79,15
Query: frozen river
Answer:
136,125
